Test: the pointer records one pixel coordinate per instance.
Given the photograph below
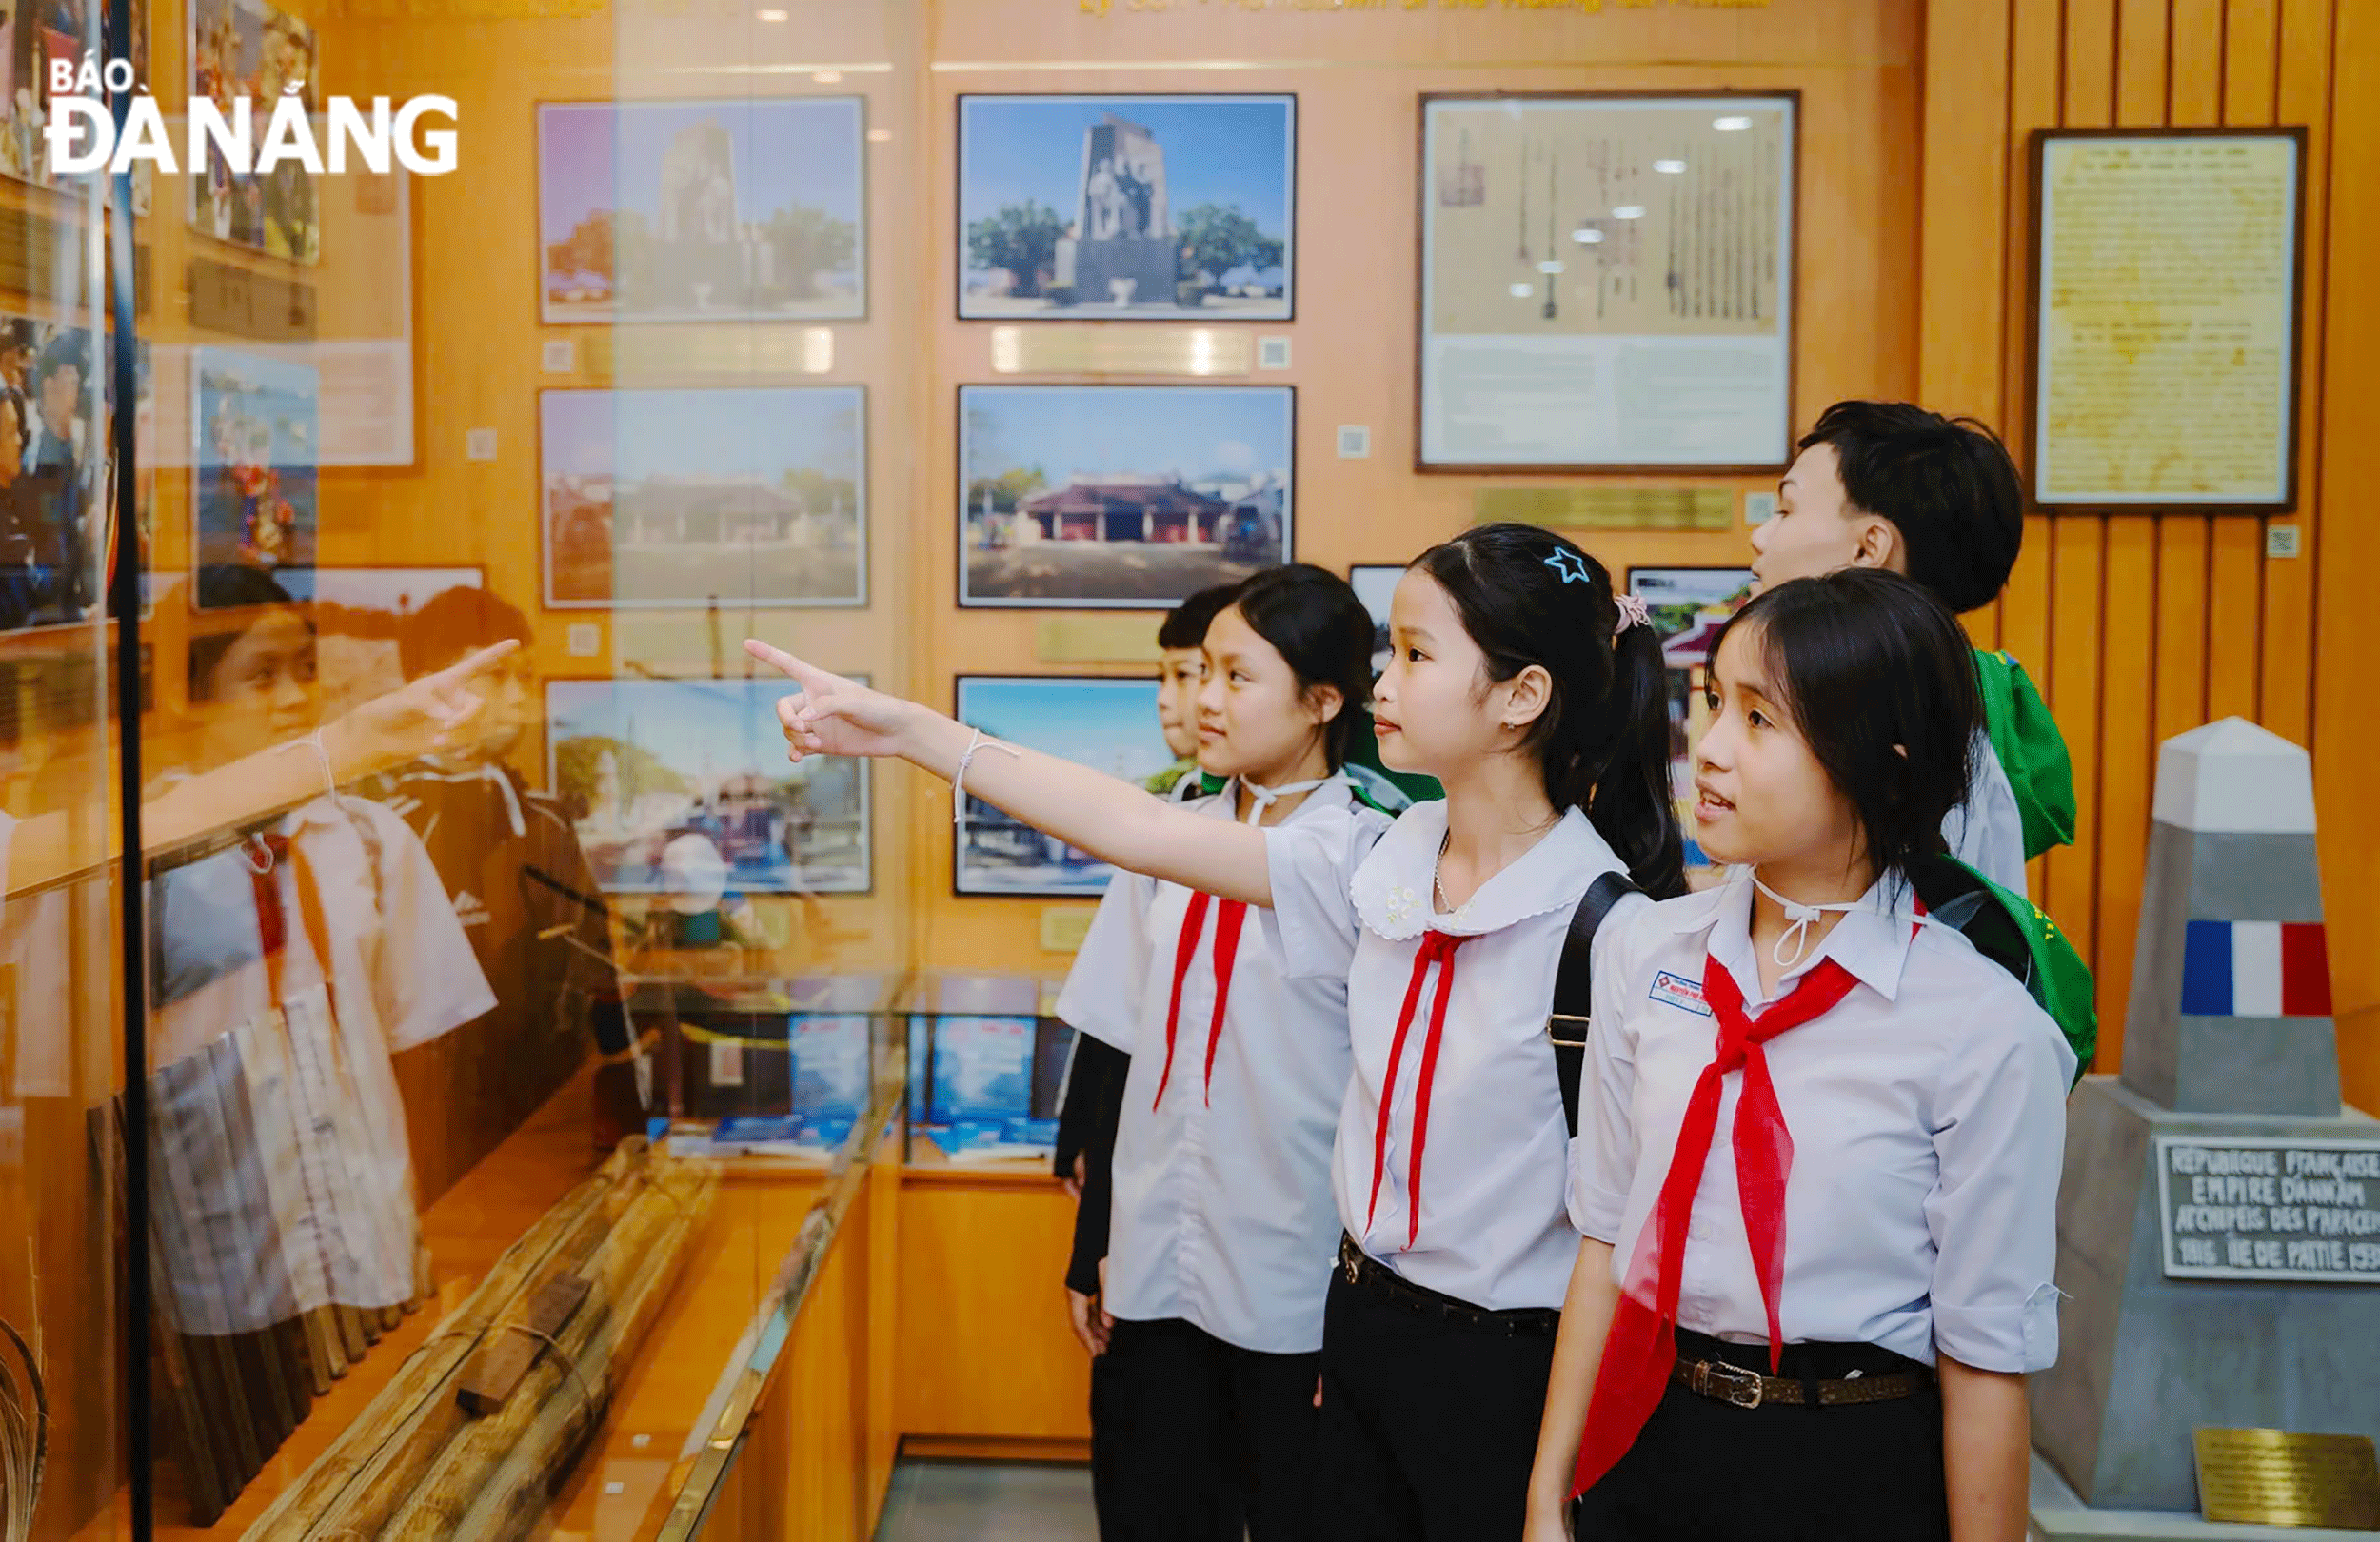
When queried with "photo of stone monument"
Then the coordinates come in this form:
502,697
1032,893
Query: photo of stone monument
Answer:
725,211
1129,207
2219,1219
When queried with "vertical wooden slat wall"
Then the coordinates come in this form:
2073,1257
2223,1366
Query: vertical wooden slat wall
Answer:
2139,626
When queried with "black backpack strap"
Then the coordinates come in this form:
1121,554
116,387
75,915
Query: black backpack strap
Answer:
1574,986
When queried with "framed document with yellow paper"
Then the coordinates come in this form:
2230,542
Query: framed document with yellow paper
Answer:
2167,278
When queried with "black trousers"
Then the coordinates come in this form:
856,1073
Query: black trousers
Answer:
1197,1440
1871,1471
1429,1425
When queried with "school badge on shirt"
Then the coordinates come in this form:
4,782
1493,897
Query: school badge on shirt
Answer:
1680,992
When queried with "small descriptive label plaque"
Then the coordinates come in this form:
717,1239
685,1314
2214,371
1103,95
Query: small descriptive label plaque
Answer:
1098,349
2278,1209
2278,1478
1608,508
1064,927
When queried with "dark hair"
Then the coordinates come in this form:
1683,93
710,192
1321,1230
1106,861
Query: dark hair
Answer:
1321,630
1185,624
227,587
1880,682
454,622
1946,483
65,348
1527,596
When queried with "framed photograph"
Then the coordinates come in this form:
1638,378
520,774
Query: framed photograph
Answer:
255,425
2165,363
30,36
1127,208
754,497
1606,282
731,209
254,50
1376,585
1687,606
1104,723
54,488
1120,497
685,784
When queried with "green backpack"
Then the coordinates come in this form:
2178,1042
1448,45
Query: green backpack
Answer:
2030,750
2020,937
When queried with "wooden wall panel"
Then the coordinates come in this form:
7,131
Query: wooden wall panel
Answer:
2349,460
2141,626
2302,95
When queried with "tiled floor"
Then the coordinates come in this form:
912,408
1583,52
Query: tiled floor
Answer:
984,1502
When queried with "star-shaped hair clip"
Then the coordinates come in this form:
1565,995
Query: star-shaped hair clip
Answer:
1572,567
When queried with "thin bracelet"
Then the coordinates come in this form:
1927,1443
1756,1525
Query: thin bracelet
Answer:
331,778
958,778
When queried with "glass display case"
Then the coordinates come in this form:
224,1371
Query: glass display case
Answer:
457,1078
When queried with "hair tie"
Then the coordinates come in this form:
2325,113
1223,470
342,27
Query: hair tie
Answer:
1632,612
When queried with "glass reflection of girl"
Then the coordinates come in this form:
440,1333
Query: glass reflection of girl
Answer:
286,969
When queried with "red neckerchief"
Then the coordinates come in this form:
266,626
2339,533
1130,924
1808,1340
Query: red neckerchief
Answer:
1641,1348
1228,921
270,849
1437,948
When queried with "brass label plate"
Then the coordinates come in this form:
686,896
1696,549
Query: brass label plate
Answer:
1064,927
1054,349
2279,1477
631,355
1608,508
1126,638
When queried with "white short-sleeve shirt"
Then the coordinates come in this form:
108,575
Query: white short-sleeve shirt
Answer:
1987,832
1222,1213
282,1163
1355,904
1928,1115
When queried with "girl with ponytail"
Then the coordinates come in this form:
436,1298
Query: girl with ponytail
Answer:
1533,694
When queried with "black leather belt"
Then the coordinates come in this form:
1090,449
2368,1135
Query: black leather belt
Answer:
1373,1277
1727,1383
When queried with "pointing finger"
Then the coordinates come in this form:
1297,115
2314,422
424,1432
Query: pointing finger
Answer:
803,675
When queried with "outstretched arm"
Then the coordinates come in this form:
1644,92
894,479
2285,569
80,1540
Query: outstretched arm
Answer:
388,730
1112,820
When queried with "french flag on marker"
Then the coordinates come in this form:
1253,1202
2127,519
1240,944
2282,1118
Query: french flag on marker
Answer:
2255,969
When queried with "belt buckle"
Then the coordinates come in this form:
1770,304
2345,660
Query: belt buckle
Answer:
1352,1262
1731,1384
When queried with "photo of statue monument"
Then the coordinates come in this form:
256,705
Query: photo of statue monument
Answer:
726,211
1141,208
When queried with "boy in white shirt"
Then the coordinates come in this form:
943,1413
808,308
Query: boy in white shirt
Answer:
1890,485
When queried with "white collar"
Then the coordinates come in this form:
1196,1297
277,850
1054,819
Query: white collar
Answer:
1392,889
1872,942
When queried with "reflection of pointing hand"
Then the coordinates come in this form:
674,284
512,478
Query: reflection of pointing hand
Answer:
413,721
831,715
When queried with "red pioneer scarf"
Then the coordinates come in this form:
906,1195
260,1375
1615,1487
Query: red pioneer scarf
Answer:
1228,921
1641,1348
1437,948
